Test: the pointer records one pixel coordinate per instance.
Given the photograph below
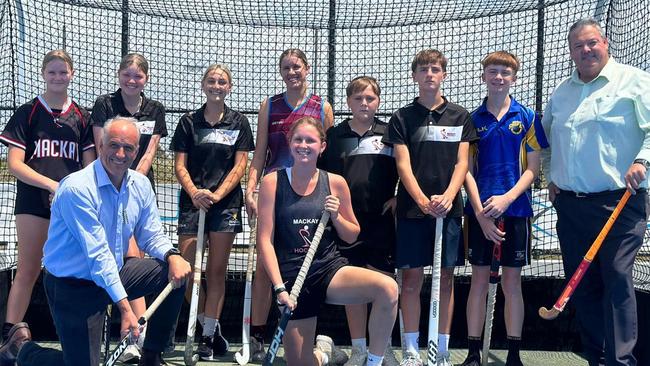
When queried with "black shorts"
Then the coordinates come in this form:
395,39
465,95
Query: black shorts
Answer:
375,246
226,220
415,241
515,250
32,200
314,290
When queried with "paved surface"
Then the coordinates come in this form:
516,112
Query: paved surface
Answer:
497,357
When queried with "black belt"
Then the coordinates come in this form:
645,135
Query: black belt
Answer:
616,192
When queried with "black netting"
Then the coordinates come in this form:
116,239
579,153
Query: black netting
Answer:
342,39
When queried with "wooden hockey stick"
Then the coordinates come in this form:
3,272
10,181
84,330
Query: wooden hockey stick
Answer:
550,314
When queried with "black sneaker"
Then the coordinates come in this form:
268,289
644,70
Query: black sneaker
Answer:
219,345
472,360
205,349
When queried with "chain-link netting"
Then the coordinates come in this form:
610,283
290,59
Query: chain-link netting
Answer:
342,39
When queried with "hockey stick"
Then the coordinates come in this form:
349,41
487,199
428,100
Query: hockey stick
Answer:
142,321
492,295
401,317
107,331
550,314
190,358
295,290
243,357
434,306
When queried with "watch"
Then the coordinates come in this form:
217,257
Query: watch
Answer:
643,162
172,251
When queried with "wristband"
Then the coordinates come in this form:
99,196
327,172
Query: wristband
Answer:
277,290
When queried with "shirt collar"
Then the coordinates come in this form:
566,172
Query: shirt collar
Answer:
370,132
608,72
514,106
143,105
101,176
440,110
225,120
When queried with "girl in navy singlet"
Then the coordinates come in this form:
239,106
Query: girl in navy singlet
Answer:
290,204
49,137
276,116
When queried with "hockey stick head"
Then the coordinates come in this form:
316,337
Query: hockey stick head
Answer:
191,359
242,356
548,314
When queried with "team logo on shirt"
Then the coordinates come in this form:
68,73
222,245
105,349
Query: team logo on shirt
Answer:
218,136
516,127
440,133
304,234
145,127
46,148
372,145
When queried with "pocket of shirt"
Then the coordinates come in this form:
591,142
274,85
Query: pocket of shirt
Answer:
613,109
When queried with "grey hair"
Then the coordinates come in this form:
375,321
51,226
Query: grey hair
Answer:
107,126
585,22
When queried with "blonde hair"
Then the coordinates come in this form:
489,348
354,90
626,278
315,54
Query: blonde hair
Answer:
59,55
217,67
310,121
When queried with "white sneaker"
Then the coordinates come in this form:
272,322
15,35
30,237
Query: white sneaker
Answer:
325,345
411,359
130,355
443,359
389,358
357,357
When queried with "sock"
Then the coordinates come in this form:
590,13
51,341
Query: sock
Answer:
323,357
443,343
374,360
474,346
6,327
217,329
201,319
359,343
258,332
209,327
411,340
513,347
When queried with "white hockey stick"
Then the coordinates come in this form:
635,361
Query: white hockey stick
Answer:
243,357
492,296
189,357
434,306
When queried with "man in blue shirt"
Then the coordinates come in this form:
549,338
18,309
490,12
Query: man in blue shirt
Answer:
94,213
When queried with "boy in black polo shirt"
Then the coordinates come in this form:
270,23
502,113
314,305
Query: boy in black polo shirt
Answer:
431,138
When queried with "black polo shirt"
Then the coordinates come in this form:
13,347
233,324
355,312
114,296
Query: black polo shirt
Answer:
432,139
211,151
365,162
150,117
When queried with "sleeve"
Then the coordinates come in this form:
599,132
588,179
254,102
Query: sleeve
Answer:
396,133
100,113
160,128
469,131
642,112
325,160
81,217
86,140
182,138
547,121
149,233
245,138
535,136
15,133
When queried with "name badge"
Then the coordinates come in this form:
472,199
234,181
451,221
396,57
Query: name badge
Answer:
224,137
145,127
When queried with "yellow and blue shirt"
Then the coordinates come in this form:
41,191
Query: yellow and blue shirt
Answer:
501,151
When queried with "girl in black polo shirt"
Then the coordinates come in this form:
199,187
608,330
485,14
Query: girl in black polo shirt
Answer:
211,146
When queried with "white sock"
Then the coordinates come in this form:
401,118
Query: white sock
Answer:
201,319
209,326
411,340
359,343
374,360
443,343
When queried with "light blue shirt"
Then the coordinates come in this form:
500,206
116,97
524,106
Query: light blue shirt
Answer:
597,129
92,222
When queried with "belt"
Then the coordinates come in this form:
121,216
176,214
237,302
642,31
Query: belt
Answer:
616,192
